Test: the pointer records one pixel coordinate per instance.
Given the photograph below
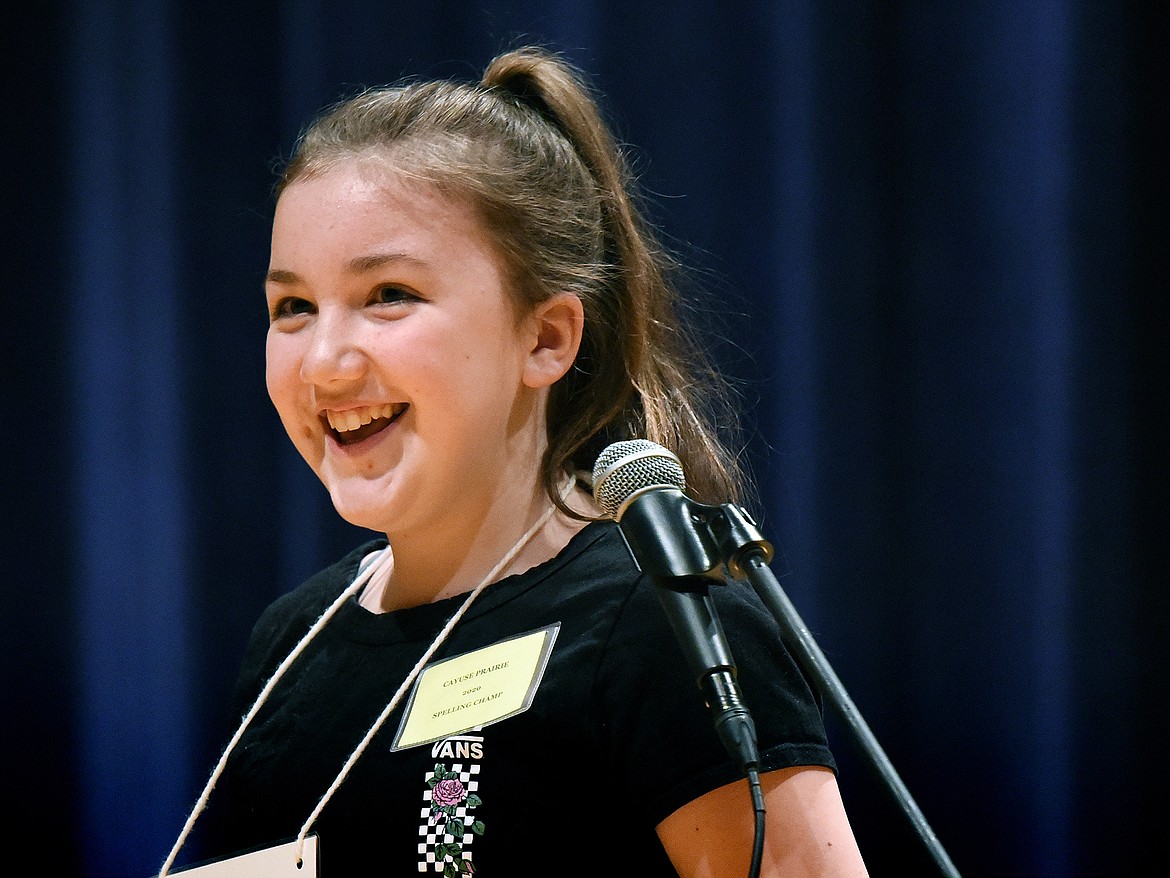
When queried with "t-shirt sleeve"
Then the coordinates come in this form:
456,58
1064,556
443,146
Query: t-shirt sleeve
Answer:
661,734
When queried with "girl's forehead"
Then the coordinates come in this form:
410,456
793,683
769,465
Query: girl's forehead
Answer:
381,194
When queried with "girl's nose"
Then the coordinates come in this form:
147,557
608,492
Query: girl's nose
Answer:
334,354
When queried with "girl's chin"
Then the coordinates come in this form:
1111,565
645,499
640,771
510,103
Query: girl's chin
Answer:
366,522
365,508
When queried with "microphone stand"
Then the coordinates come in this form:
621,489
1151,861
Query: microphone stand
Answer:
747,556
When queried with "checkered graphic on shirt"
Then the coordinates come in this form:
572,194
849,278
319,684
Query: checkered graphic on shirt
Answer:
432,827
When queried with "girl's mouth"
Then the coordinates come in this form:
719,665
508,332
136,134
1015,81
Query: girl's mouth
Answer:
354,425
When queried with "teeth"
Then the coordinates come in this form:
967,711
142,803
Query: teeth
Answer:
352,419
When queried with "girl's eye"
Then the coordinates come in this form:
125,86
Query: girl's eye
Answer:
392,295
290,306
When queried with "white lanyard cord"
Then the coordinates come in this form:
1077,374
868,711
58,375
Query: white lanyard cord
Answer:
384,559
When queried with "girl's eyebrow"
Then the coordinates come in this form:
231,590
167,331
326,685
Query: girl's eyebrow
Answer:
282,276
362,264
357,265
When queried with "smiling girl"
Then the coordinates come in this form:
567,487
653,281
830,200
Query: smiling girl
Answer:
466,307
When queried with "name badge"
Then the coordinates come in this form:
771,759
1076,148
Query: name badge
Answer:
475,689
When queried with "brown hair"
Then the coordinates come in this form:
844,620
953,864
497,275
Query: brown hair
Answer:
528,148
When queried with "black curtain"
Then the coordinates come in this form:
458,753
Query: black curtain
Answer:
932,239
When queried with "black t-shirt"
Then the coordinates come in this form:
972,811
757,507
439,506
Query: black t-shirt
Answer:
616,738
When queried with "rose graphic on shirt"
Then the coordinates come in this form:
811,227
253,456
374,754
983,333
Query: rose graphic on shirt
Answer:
448,794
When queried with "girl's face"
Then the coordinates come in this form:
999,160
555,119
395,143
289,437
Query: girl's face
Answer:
395,357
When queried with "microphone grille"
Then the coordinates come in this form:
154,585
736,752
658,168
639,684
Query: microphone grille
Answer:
624,468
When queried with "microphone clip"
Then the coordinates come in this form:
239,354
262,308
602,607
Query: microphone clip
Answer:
675,538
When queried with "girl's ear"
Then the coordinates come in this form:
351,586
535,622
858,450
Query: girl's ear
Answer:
557,323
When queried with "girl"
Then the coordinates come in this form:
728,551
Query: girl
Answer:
466,308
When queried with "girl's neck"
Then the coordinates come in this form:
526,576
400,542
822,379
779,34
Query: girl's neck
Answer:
425,571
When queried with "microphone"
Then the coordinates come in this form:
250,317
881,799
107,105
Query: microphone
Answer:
641,485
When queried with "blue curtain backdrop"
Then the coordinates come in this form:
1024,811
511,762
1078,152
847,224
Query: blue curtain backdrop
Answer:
934,235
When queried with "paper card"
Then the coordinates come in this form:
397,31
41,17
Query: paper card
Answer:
475,689
279,861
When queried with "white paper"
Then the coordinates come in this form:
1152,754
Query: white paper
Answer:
274,862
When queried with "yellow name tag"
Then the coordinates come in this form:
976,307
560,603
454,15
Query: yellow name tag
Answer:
475,689
274,862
